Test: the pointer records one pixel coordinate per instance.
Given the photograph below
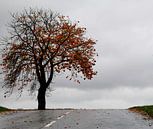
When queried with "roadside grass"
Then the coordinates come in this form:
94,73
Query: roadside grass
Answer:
3,109
144,110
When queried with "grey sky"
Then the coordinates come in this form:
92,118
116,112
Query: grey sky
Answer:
124,30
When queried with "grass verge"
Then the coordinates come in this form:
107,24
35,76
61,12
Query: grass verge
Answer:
144,110
3,109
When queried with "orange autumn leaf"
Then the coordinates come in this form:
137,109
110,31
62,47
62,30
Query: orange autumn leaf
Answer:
43,44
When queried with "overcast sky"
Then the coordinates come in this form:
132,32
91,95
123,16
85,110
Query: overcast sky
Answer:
124,30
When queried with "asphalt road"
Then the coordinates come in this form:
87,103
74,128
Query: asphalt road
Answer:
75,119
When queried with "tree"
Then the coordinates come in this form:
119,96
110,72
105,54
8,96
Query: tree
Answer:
43,43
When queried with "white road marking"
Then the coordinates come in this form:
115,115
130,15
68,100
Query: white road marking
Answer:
48,125
67,113
60,117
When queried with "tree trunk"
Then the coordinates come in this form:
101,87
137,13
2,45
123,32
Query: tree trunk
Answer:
43,88
41,98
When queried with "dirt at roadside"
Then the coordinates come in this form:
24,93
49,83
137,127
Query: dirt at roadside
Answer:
139,111
8,112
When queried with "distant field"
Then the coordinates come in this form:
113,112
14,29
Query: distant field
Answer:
144,110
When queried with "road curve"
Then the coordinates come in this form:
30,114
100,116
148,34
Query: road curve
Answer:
75,119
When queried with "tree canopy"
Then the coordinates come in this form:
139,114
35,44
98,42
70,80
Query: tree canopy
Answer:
43,43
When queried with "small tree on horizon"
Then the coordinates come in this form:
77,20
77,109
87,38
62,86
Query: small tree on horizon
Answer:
43,43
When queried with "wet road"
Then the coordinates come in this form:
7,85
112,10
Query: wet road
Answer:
75,119
30,119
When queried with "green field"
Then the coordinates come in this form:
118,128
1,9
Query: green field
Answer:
2,109
146,110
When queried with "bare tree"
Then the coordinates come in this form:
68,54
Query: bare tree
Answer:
42,43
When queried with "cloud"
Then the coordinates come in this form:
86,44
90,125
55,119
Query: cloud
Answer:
124,30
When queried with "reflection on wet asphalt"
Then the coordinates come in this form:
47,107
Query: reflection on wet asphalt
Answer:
75,119
29,119
102,119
